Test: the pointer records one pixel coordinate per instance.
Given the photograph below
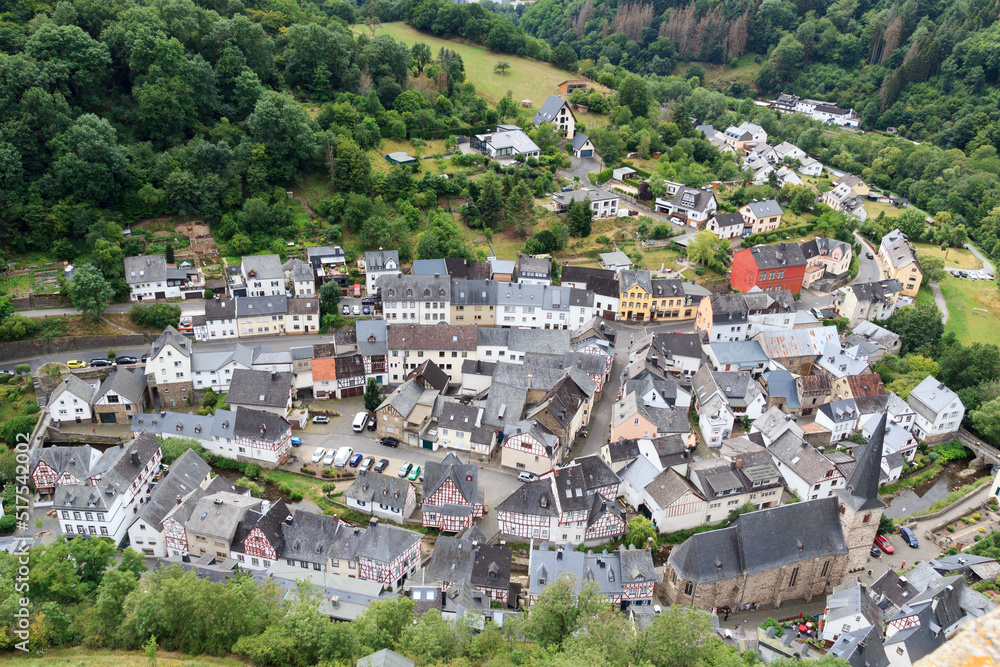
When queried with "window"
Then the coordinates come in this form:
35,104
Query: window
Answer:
688,588
866,518
794,577
826,568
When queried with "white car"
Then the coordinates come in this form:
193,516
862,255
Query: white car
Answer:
318,454
525,476
357,310
367,463
329,457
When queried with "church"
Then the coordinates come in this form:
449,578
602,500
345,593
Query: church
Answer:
783,553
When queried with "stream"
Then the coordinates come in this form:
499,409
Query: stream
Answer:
955,474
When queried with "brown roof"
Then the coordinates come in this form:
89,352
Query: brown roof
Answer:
323,350
813,383
813,427
432,337
352,365
324,370
867,384
302,306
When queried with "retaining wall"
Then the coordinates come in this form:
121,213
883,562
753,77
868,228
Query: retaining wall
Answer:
27,349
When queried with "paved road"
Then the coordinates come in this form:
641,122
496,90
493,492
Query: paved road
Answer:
869,270
986,263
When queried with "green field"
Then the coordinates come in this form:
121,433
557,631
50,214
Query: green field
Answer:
959,257
80,657
962,296
874,208
526,79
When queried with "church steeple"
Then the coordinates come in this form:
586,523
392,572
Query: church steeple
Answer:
861,494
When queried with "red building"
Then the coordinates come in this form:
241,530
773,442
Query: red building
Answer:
769,267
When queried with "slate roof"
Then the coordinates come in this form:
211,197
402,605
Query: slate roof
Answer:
815,247
578,480
605,570
249,424
372,337
797,342
465,476
262,305
183,477
505,403
667,487
269,523
765,208
430,372
761,541
372,487
452,559
220,309
579,139
777,256
75,386
629,279
76,460
531,498
460,268
861,492
861,648
491,568
780,383
616,258
478,367
267,267
376,260
880,335
729,220
434,285
173,337
878,292
667,420
746,353
130,385
145,269
580,274
473,292
549,342
259,388
603,286
702,199
900,252
931,397
534,267
678,345
119,467
549,109
404,398
563,401
219,514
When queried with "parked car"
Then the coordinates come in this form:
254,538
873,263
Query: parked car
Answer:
909,537
367,463
318,454
414,473
126,361
356,460
390,442
76,363
296,441
883,544
372,423
144,358
874,552
99,363
381,465
525,476
330,456
368,301
366,310
345,309
321,419
404,469
357,310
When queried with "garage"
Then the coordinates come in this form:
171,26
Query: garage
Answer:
350,392
587,152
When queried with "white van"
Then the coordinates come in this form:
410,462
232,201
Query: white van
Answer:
343,456
360,420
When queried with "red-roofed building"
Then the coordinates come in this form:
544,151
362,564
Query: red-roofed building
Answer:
769,267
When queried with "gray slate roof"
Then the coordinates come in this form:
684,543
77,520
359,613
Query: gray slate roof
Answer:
260,425
184,476
259,388
372,337
931,397
579,139
75,386
145,269
552,105
765,209
862,487
372,487
376,260
130,385
266,267
777,256
465,476
120,467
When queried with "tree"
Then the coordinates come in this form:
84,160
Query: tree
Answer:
556,614
89,163
490,200
373,23
351,167
281,124
919,326
431,640
17,429
329,297
22,369
421,56
520,209
703,248
168,254
970,366
501,67
911,223
634,94
640,529
89,291
677,637
580,217
564,57
373,396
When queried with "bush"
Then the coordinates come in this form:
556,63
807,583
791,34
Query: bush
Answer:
327,472
251,470
950,529
329,487
295,496
7,524
284,488
977,538
256,490
772,623
157,316
22,369
982,529
5,378
977,516
31,409
17,429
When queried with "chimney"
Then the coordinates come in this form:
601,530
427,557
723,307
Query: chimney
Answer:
178,500
274,376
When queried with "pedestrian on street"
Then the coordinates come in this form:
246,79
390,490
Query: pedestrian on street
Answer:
869,573
93,429
904,565
727,616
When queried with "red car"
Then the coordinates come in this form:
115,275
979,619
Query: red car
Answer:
882,543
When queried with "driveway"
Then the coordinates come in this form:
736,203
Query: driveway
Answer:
987,265
580,167
939,300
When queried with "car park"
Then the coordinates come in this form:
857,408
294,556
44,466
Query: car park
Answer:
381,465
356,460
101,363
321,419
330,456
296,441
414,473
909,537
76,363
389,442
367,462
883,543
318,454
126,361
404,469
525,476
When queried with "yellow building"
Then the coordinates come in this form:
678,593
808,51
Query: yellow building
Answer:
636,290
901,261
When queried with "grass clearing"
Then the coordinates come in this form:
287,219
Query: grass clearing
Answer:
16,397
968,325
312,489
526,79
721,75
15,284
80,657
958,257
874,208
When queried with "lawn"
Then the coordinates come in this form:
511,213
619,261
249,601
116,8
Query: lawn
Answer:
874,208
958,257
312,489
16,397
80,657
969,326
526,79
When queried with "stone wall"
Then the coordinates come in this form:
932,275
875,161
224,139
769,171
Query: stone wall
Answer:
33,301
29,349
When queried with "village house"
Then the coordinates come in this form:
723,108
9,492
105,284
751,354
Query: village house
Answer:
409,345
901,262
212,525
214,370
604,204
467,561
530,446
762,216
459,426
148,277
506,143
839,417
384,496
273,315
474,302
169,364
769,267
122,394
71,401
797,350
572,504
726,225
258,538
104,502
861,302
416,299
261,390
406,412
827,258
624,578
533,270
939,411
263,275
451,495
806,470
693,207
842,198
557,111
218,322
61,465
877,341
582,145
633,418
379,263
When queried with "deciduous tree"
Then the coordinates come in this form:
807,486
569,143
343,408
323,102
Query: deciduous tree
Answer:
89,291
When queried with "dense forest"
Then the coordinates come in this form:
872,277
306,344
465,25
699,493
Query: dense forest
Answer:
78,596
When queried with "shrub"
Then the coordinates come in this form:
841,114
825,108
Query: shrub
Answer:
7,524
284,488
251,470
977,538
327,472
295,496
977,516
329,487
22,369
31,409
982,529
5,378
157,316
772,623
256,490
950,529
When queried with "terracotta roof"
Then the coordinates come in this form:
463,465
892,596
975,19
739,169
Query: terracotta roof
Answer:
867,384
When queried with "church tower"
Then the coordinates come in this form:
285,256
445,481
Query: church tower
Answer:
860,506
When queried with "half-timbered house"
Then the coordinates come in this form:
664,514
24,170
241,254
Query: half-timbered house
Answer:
61,466
213,522
173,522
452,497
261,437
258,539
468,561
373,348
529,445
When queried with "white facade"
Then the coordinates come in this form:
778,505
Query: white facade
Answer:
304,287
169,365
71,407
218,378
938,410
220,329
